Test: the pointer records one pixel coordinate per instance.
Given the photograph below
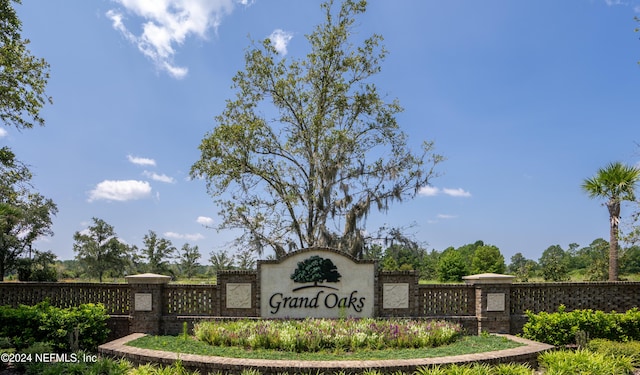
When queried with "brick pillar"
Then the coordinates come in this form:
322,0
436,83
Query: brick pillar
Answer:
146,296
492,301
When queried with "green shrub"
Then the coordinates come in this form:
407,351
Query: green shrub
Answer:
20,325
630,349
43,322
5,343
31,351
629,324
175,369
512,369
560,328
476,369
103,366
584,362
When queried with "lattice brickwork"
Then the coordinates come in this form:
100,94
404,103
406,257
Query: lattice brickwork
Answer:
605,296
115,297
191,300
443,300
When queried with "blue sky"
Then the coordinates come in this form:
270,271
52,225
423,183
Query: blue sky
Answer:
525,99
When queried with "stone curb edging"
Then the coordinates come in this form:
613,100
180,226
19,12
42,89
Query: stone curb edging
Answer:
118,348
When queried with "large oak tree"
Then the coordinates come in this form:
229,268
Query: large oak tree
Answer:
309,146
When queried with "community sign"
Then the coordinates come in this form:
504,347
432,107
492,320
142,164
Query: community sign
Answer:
320,283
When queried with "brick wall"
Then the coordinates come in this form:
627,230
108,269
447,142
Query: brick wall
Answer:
398,277
239,277
461,303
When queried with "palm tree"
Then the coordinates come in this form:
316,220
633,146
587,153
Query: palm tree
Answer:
616,183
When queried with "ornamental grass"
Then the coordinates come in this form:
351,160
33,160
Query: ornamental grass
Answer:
313,335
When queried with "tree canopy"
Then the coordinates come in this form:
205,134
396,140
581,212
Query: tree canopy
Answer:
24,215
157,252
189,256
554,264
99,250
23,77
487,259
309,146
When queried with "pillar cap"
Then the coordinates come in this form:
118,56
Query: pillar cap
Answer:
148,278
488,278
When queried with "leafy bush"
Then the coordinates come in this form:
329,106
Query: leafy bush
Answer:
59,327
312,335
5,343
20,325
175,369
630,349
106,366
560,328
32,350
584,362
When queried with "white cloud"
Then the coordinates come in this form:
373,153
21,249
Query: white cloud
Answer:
159,177
204,220
432,191
280,39
456,192
167,23
122,190
3,133
141,161
429,191
180,236
445,216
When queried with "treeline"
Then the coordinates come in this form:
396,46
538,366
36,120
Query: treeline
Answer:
100,255
589,263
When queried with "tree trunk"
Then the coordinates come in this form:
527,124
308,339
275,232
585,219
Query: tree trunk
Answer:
614,220
613,251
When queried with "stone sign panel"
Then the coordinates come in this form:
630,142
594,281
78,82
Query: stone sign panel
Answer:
238,295
142,301
395,296
495,302
318,283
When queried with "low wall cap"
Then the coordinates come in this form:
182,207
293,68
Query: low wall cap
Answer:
488,278
147,278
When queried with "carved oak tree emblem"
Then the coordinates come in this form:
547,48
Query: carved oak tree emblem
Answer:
316,270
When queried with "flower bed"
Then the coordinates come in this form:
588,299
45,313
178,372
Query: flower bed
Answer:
312,335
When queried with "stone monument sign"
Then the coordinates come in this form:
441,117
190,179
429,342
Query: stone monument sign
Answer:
320,283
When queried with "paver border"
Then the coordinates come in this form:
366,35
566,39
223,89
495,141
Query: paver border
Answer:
205,364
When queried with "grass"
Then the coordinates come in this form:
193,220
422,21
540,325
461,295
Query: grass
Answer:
189,345
197,280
